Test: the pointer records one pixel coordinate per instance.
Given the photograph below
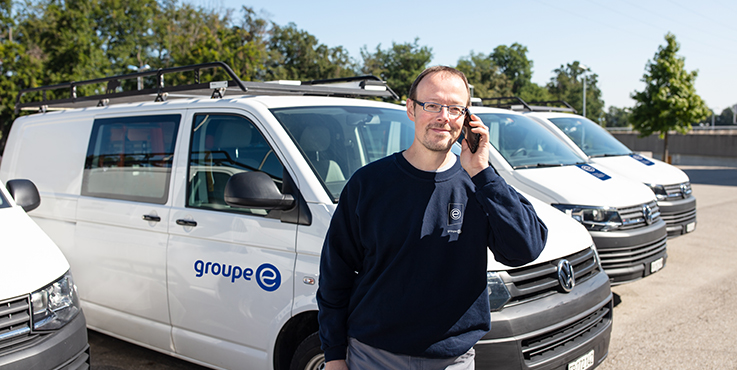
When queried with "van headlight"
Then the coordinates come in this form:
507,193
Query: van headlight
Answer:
498,293
55,305
659,190
594,218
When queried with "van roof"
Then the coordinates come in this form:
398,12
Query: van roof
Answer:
113,92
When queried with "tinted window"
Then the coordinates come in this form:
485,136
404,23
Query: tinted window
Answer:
526,143
338,140
130,158
3,202
593,139
223,145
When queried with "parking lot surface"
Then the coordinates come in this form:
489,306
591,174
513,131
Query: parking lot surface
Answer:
683,317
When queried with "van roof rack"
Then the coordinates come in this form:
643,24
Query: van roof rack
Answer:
498,103
535,106
549,106
359,86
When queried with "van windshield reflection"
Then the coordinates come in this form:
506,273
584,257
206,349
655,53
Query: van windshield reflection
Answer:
338,140
525,143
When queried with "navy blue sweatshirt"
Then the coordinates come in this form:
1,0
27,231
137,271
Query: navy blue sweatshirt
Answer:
403,266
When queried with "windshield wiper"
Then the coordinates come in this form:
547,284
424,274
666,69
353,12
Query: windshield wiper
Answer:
539,165
607,155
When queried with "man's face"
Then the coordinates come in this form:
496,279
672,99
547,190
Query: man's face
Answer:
438,131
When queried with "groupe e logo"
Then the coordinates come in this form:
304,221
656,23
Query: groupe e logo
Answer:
588,168
267,275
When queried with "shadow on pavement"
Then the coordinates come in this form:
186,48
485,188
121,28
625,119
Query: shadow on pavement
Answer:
712,176
617,299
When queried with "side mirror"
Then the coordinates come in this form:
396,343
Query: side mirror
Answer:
25,193
256,189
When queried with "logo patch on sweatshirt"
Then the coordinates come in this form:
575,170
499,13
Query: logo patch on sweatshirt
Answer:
455,214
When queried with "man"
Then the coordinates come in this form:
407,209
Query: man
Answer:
403,268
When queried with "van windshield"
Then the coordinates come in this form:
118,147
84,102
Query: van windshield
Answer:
593,139
3,202
525,143
338,140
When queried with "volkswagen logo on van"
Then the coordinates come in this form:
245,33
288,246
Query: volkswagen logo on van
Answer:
647,213
566,277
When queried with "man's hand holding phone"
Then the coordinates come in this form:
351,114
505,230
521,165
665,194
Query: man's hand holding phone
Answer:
475,145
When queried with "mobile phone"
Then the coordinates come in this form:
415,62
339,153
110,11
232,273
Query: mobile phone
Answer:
473,138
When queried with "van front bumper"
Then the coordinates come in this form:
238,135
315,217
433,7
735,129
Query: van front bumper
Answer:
63,349
550,332
629,255
679,215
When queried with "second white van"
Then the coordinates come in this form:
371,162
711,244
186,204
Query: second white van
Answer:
671,186
622,215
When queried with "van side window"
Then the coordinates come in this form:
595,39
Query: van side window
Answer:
223,145
130,158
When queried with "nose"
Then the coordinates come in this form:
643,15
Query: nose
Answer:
444,113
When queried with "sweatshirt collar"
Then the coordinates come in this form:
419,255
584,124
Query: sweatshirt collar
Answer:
425,175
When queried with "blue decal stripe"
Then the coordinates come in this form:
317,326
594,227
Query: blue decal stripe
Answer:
594,172
642,159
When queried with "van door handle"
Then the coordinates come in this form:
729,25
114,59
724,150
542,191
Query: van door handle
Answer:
151,218
186,222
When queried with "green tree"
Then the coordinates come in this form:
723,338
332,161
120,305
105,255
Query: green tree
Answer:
485,76
616,117
398,65
513,63
567,84
297,55
669,101
66,38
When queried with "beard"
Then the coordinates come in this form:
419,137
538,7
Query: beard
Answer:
433,142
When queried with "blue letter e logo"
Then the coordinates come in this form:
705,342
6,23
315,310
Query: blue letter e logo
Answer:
268,277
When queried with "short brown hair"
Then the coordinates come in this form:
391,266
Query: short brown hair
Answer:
439,69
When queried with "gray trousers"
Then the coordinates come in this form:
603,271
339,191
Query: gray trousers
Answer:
361,356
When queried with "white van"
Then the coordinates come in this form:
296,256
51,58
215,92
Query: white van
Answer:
671,186
622,215
41,323
139,196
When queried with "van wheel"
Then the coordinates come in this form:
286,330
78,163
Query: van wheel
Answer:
308,355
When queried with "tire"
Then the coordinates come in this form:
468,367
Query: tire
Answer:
309,355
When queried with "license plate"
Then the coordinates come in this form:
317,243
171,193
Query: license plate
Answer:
656,265
690,227
582,363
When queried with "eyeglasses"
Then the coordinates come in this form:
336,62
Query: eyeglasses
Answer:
454,111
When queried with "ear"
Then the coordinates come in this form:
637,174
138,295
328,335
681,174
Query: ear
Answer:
410,109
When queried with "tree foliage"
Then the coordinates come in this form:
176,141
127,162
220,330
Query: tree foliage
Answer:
567,84
398,65
669,100
485,76
616,117
297,55
513,63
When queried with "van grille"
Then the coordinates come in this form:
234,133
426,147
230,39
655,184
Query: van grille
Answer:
627,256
549,344
634,217
533,282
15,324
680,218
682,190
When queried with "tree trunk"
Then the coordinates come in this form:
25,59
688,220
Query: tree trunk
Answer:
666,159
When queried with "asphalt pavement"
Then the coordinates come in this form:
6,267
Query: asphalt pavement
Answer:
683,317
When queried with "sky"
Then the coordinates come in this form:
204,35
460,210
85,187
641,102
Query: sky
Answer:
614,38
